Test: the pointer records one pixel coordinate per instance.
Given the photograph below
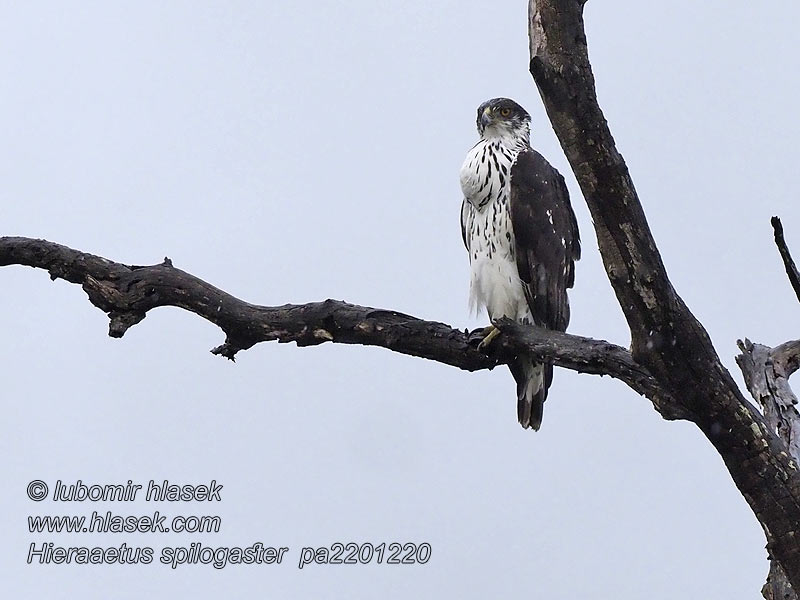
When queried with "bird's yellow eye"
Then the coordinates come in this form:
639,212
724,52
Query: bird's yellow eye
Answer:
505,112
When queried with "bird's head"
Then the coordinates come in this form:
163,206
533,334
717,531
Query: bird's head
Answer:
501,118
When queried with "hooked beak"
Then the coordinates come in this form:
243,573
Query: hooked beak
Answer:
486,117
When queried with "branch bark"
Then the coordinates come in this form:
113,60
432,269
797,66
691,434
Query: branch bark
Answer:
788,263
766,372
665,336
126,293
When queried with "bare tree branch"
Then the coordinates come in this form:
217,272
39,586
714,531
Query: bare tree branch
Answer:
788,263
665,336
766,372
597,357
126,293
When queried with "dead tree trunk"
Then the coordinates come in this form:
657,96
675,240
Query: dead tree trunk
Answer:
665,335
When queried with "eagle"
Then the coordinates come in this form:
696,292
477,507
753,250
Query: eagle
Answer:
522,238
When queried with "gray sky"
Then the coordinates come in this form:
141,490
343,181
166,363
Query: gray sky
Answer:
291,152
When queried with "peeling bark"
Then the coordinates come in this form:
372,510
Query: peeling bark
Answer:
766,372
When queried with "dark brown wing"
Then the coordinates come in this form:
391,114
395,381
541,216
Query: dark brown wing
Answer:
546,238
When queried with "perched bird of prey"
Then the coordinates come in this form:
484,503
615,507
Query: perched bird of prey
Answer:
522,238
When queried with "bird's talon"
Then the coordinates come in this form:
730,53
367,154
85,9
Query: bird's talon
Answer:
491,333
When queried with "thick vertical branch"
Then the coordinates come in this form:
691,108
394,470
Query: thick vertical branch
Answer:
665,336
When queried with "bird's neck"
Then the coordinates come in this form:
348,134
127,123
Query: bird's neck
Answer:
513,139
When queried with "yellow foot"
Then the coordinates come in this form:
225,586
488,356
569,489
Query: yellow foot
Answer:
490,333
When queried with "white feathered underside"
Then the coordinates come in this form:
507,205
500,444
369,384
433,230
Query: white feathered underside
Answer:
489,236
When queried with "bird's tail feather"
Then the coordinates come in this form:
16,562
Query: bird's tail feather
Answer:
533,380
